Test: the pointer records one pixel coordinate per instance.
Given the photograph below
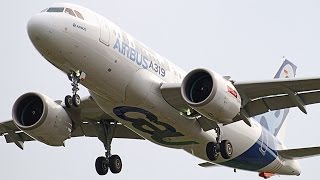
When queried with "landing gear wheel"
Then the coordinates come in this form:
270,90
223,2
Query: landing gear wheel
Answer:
68,101
212,152
101,165
76,100
115,164
226,149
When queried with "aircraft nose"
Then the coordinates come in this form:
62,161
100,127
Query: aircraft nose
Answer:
39,27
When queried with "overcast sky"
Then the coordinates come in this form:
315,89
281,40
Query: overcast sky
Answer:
243,39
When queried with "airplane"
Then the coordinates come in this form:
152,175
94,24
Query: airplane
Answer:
137,94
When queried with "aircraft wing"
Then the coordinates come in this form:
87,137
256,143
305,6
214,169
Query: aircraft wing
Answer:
86,122
299,153
259,97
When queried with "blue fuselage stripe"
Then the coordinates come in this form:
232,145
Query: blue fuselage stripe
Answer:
258,156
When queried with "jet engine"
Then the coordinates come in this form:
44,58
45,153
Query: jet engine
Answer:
211,95
41,118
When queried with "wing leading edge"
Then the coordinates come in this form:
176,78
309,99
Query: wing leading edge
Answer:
87,122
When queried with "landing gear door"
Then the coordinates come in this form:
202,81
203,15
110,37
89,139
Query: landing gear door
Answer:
104,32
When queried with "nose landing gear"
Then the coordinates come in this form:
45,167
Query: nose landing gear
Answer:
74,100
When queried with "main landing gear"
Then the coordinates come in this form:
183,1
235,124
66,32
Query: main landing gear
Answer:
112,162
105,129
221,147
74,100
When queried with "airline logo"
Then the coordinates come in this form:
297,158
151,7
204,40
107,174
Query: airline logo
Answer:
286,73
232,92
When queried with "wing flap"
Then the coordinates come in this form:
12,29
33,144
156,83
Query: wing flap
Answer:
22,137
6,126
12,133
299,153
265,104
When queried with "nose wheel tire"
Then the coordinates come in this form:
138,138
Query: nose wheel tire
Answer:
115,164
226,149
102,165
76,100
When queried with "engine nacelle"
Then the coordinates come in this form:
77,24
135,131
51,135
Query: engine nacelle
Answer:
41,118
211,95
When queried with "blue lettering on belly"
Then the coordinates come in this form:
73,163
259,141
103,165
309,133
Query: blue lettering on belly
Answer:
159,131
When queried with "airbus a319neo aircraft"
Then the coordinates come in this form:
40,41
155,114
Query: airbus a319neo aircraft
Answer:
137,94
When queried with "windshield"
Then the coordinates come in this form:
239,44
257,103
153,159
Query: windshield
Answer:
55,9
69,11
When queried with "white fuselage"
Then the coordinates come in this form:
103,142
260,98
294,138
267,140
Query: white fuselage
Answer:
124,78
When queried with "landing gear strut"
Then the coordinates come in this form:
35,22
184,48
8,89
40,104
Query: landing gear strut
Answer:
221,147
112,162
74,100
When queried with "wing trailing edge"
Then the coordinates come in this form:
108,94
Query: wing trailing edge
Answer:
299,153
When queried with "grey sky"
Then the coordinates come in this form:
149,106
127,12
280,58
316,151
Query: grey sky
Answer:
243,39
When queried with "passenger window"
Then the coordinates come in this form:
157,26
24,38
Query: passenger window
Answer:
79,14
69,11
55,9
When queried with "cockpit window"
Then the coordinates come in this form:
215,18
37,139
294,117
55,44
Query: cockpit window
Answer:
45,10
55,9
69,11
79,14
74,13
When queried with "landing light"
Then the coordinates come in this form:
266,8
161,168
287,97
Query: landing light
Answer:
188,111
